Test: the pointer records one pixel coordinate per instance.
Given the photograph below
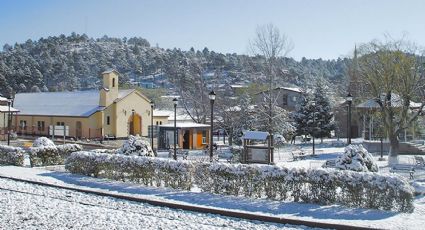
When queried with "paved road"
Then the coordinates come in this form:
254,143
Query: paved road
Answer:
27,206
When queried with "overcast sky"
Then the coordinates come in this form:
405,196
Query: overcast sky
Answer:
325,29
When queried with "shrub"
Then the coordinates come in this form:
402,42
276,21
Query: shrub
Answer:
356,158
135,145
11,155
322,186
145,170
51,154
42,141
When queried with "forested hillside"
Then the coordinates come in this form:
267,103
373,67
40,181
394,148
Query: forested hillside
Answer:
75,62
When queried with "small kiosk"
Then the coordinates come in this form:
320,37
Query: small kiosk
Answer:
257,148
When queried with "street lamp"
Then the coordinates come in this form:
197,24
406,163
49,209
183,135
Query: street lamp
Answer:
313,103
349,99
175,128
212,95
132,122
9,102
152,105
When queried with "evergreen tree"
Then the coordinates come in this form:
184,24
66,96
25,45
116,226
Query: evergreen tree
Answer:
323,113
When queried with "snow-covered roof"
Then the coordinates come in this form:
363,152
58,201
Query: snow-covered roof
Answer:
77,103
255,135
3,99
396,101
5,109
298,90
186,125
110,71
162,113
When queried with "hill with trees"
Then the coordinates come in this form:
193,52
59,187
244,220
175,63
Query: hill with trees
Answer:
75,62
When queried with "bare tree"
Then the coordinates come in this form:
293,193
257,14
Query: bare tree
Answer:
270,44
394,76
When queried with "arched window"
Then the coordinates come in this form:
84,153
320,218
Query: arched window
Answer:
113,82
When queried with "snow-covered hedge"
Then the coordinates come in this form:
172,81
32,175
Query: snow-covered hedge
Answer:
322,186
136,146
11,155
42,141
146,170
45,152
356,158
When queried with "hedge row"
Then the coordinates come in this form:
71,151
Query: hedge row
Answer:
145,170
51,155
322,186
10,155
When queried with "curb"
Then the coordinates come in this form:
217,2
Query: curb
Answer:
216,211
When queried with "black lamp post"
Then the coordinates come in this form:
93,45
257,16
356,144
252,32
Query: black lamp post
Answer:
212,99
132,122
314,125
349,99
175,128
9,102
152,105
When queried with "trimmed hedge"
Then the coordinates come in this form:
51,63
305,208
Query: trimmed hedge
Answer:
10,155
51,155
321,186
145,170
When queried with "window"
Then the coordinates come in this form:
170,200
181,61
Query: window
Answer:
108,120
285,99
113,82
294,98
157,123
204,137
60,123
23,124
40,125
160,122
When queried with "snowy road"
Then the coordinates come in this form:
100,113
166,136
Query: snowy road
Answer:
27,206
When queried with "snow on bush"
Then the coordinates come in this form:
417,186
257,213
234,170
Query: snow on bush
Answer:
356,158
135,145
42,141
45,152
11,155
322,186
146,170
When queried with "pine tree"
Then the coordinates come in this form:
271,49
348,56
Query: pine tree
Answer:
324,122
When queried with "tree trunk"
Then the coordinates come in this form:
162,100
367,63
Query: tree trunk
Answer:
230,137
394,149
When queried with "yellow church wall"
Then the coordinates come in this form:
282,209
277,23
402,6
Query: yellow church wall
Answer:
124,109
90,128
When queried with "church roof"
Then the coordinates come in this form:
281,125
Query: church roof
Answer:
76,103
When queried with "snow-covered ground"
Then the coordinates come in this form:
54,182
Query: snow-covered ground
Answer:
27,206
311,212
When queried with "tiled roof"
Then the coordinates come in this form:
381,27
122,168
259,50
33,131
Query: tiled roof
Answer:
77,103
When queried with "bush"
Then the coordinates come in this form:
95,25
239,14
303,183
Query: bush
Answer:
146,170
322,186
51,154
11,155
42,141
135,145
356,158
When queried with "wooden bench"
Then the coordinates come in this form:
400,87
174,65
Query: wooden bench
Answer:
404,169
420,161
329,164
298,155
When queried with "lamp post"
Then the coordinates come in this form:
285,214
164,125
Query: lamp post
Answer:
175,128
9,102
152,105
132,122
349,99
212,99
313,103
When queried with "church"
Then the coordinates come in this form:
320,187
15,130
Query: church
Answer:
110,112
